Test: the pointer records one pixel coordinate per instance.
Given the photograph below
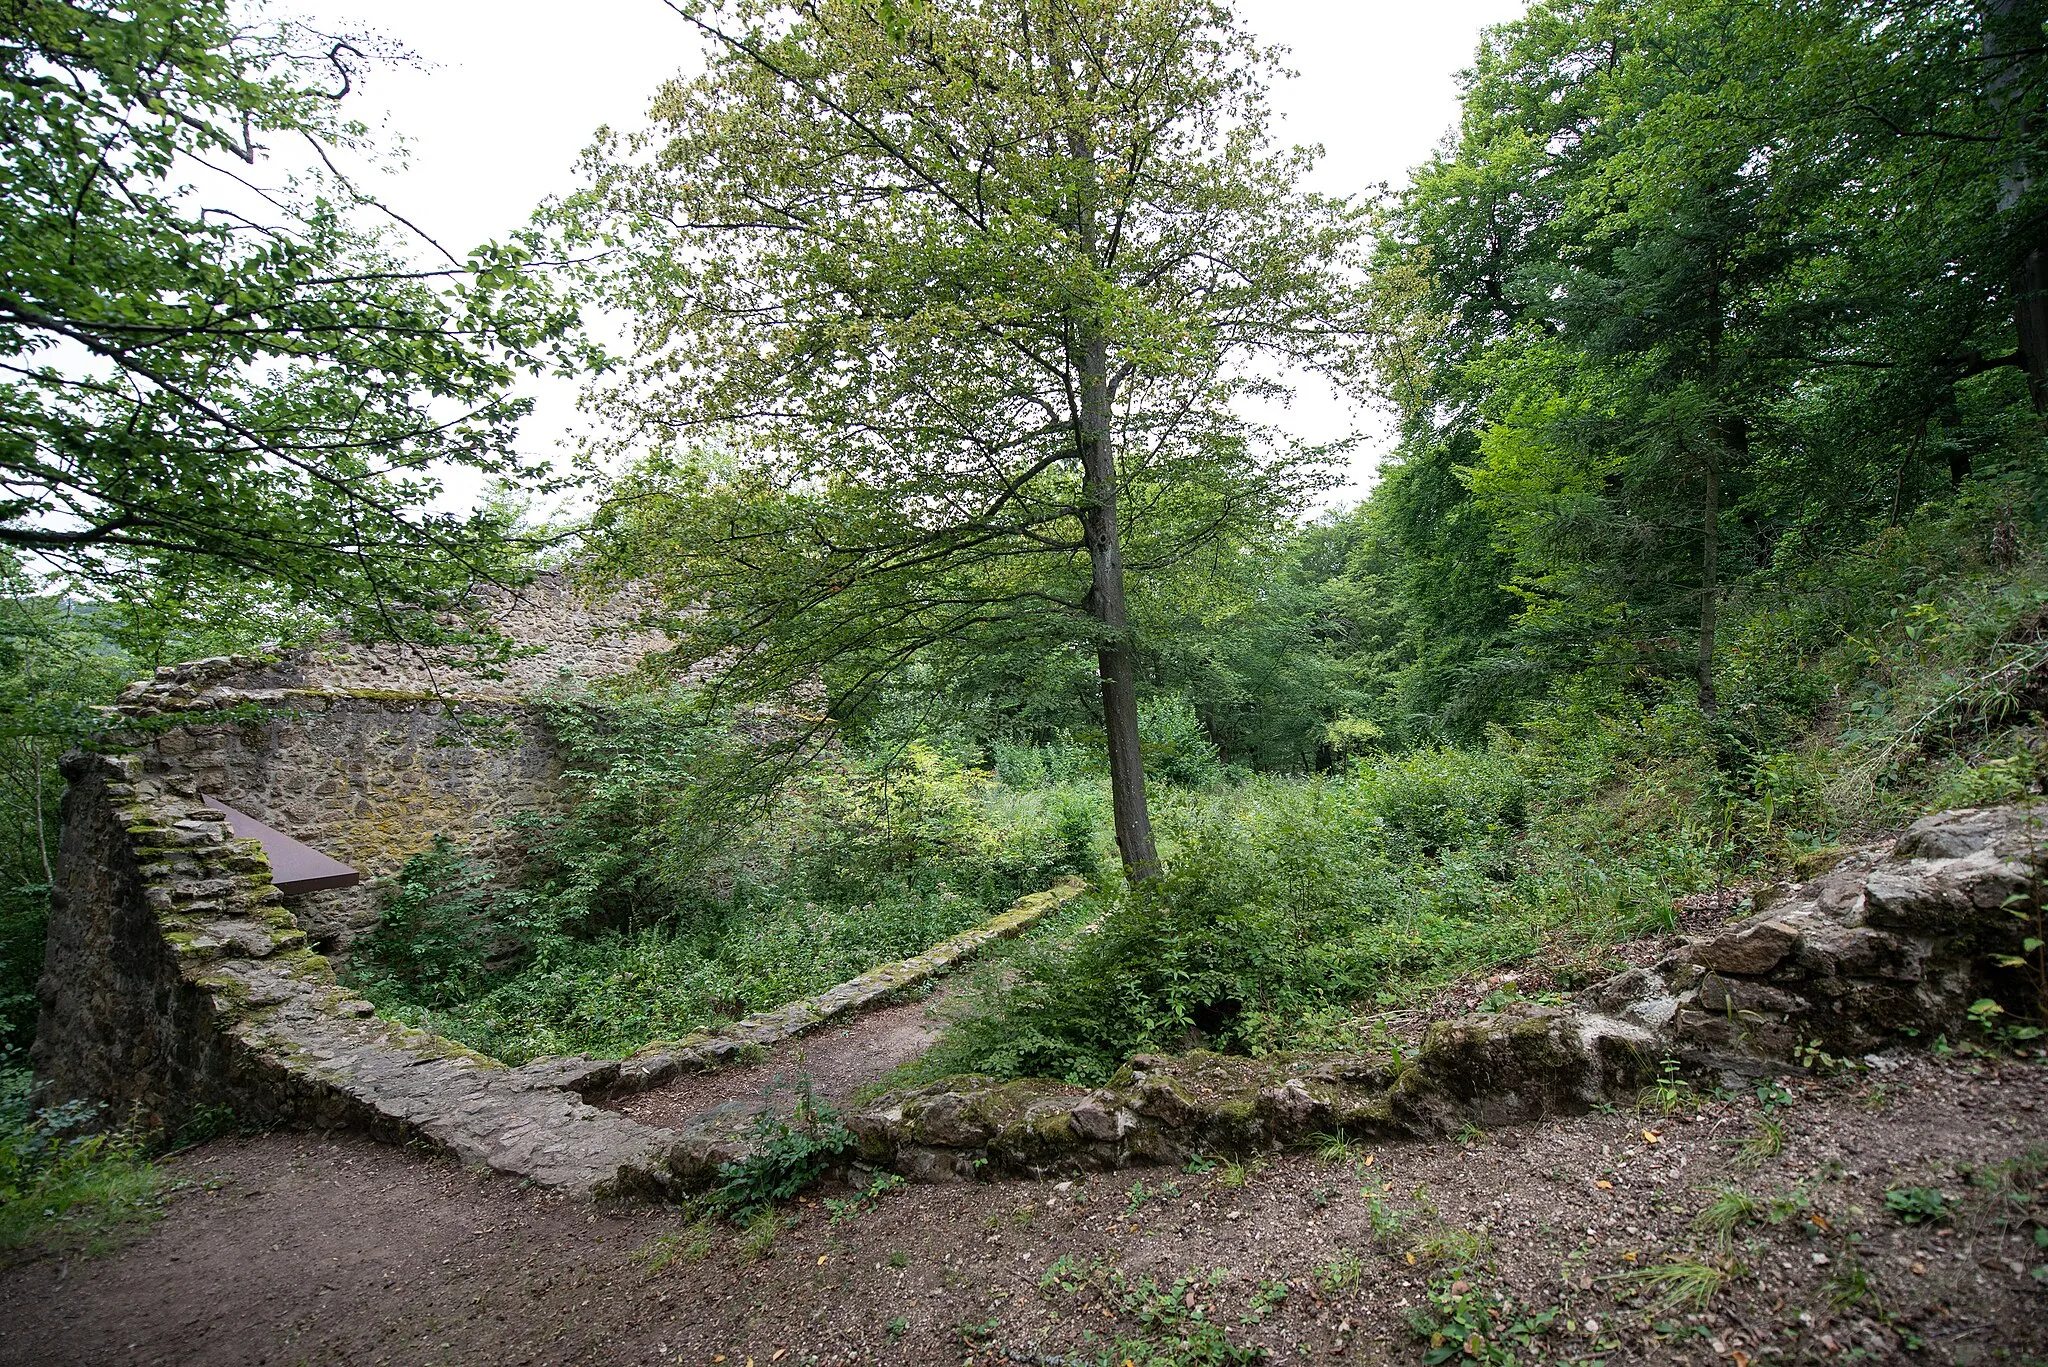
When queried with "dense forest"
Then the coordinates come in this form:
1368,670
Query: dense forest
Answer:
1712,539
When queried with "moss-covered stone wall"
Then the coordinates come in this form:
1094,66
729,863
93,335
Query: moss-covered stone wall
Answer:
366,752
370,779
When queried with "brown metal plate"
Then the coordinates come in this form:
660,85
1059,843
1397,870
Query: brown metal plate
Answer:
293,867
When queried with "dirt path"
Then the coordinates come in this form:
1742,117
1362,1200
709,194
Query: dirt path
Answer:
292,1249
838,1059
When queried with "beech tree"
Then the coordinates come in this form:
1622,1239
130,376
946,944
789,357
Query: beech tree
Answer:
1701,286
945,310
218,354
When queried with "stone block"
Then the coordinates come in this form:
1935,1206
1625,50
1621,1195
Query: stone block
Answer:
1754,948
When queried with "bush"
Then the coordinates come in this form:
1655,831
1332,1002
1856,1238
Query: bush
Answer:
23,914
1431,800
1176,746
612,936
1290,905
1022,767
65,1177
445,932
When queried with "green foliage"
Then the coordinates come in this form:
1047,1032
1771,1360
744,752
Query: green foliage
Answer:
1286,899
1177,750
790,1155
1729,1209
439,932
1660,331
690,882
1684,1283
1035,766
1176,1324
262,393
1917,1205
1467,1323
948,402
66,1179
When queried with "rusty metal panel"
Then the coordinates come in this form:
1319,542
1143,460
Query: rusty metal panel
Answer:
293,867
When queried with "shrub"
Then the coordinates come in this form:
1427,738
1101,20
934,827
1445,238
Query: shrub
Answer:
445,931
1290,904
1175,744
65,1176
1431,800
790,1158
1022,767
611,936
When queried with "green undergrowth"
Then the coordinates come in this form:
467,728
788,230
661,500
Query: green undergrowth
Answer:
629,924
1291,906
1858,695
67,1182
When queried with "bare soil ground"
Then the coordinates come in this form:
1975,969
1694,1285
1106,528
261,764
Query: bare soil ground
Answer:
296,1248
838,1059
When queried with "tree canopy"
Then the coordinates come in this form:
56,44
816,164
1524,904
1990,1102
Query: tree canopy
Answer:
944,313
215,349
1699,288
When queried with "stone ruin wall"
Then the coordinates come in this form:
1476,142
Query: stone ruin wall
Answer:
366,752
369,781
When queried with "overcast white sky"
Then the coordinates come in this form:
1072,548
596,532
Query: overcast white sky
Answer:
514,89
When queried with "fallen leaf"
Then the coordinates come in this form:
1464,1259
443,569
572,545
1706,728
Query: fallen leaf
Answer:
779,1353
821,1259
1411,1260
1652,1137
1605,1186
1629,1256
1741,1358
1368,1160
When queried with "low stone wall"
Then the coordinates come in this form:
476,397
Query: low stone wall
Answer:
657,1063
177,979
1891,947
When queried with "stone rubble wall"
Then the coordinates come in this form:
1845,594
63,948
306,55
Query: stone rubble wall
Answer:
366,752
370,781
1891,947
561,635
177,980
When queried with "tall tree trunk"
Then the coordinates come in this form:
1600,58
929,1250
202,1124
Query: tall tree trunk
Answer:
1116,657
1710,583
2030,321
2011,35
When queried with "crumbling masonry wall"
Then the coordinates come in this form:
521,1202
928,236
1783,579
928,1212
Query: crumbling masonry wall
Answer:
367,778
366,752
